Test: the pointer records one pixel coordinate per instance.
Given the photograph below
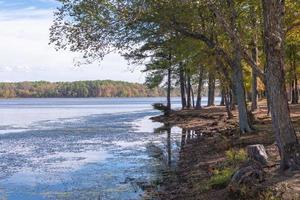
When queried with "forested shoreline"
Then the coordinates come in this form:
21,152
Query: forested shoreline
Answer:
105,88
249,50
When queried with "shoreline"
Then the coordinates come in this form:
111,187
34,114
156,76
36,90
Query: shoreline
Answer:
208,139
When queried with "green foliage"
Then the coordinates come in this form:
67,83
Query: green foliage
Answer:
105,88
234,157
221,178
222,175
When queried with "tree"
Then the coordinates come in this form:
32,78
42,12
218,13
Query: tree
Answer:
273,13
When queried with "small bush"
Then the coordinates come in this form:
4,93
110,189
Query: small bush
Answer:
221,178
235,157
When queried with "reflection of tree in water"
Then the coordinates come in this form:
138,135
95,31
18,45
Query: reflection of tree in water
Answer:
167,152
189,135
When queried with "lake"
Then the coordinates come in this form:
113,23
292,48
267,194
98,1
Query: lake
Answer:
97,148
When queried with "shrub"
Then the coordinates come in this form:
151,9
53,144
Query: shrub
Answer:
221,178
234,157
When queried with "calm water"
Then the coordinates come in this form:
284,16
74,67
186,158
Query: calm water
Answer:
80,148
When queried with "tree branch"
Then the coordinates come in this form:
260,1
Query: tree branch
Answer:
234,35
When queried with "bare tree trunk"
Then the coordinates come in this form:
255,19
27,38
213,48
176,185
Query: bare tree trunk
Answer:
211,89
200,84
238,80
244,121
254,93
188,91
295,94
227,103
169,89
255,58
273,13
193,95
182,86
222,102
232,99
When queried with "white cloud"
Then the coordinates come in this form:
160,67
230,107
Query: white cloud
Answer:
26,55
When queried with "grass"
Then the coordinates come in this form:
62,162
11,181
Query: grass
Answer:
235,157
221,178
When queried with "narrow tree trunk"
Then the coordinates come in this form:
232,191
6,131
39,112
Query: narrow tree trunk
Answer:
254,94
222,102
188,91
182,86
273,13
227,104
193,96
169,89
255,58
200,83
232,100
295,95
211,89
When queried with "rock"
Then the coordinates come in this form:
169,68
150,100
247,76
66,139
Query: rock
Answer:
247,178
258,153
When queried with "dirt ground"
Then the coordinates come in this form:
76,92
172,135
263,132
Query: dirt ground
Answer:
209,134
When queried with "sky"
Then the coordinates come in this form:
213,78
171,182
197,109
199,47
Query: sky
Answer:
26,56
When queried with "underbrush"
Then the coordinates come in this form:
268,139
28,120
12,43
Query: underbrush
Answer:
222,175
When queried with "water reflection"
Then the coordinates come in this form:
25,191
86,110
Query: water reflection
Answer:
175,140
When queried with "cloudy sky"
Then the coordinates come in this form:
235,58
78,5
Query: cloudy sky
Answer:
26,56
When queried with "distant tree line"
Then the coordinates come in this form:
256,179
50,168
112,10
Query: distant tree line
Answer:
106,88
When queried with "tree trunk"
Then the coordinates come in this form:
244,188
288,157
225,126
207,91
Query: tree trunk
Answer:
238,79
254,92
200,83
295,94
222,102
182,86
227,104
211,89
273,13
244,121
232,99
193,96
169,89
188,91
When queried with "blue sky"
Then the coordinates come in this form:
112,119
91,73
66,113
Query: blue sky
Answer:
17,4
26,56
